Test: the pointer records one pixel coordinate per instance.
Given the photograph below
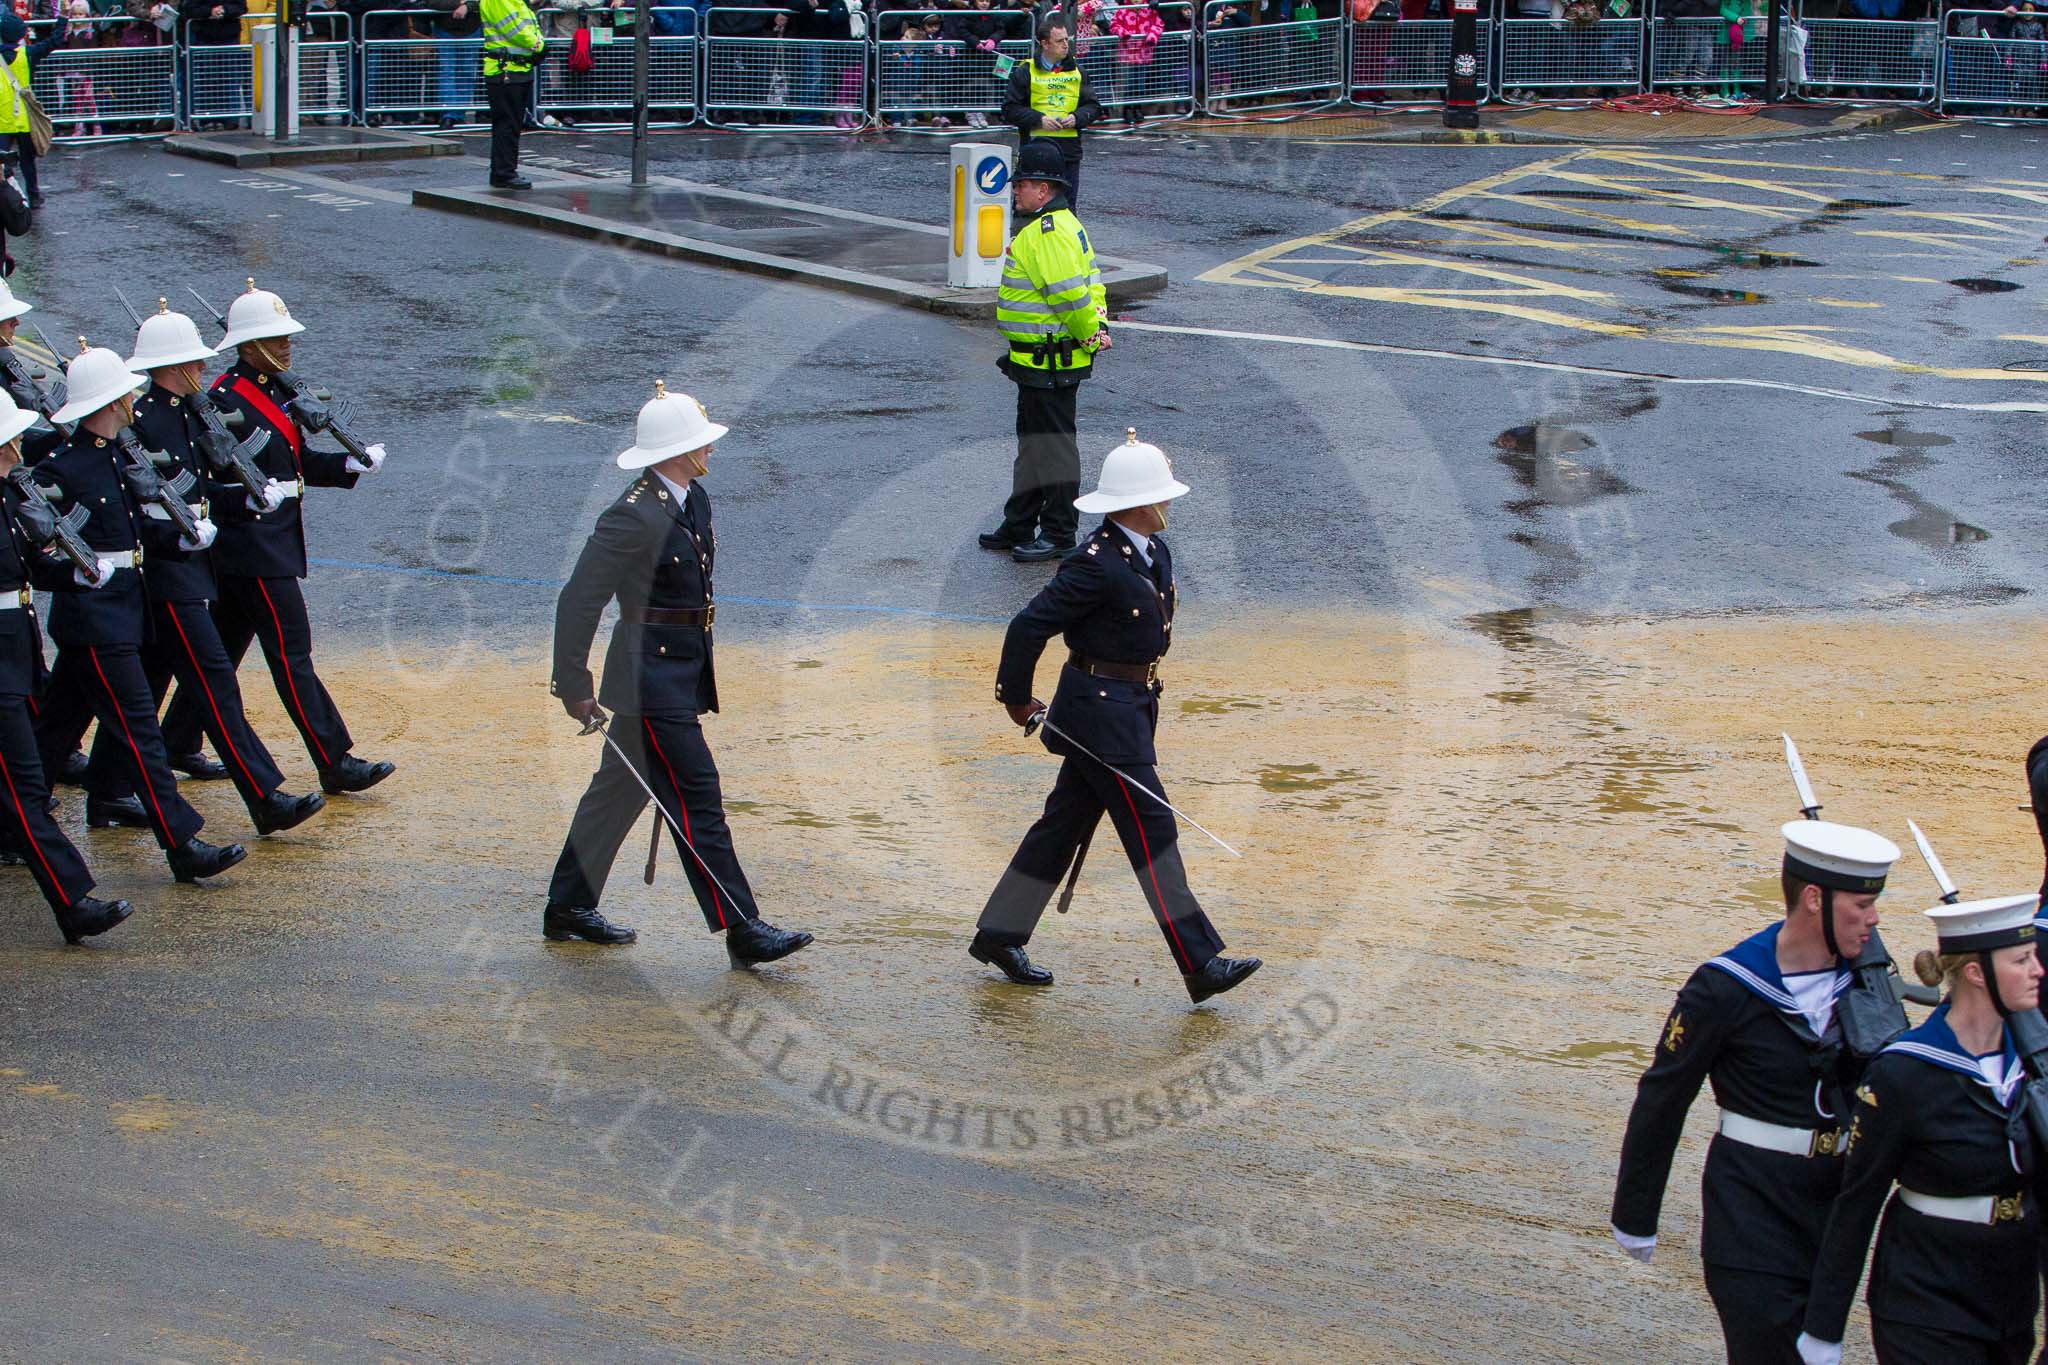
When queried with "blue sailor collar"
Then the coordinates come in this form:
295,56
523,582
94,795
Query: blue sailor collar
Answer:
1754,962
1935,1042
2041,916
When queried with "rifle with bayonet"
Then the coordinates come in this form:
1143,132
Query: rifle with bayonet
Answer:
227,458
47,529
47,399
152,489
310,406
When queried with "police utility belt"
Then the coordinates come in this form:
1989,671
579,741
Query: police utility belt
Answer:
1986,1210
1778,1137
1098,668
1045,352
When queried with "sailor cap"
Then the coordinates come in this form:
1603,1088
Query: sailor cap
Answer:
1841,857
1980,926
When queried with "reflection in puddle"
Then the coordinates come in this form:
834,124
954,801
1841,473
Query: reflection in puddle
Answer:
1712,294
1541,438
1928,525
1514,628
1983,286
1899,436
1846,205
1766,260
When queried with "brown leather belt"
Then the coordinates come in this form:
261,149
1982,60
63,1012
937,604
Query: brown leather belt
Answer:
679,616
1137,673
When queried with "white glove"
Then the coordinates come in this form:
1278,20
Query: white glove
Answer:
375,457
106,572
1638,1247
207,531
1813,1352
273,498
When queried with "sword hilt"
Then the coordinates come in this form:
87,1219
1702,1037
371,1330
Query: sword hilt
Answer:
1037,718
593,725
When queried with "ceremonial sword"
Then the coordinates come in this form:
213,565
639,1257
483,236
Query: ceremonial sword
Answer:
1040,717
597,724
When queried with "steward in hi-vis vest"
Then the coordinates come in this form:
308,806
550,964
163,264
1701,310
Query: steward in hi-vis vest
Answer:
1050,97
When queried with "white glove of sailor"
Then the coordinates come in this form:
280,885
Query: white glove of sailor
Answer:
1638,1247
373,454
273,498
207,531
1819,1352
106,572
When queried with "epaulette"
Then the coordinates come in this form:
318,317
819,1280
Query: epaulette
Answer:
639,486
1046,224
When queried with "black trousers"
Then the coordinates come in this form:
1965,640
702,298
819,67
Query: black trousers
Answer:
508,99
108,682
25,811
672,755
188,647
1047,475
1903,1343
1081,794
1761,1314
26,148
271,611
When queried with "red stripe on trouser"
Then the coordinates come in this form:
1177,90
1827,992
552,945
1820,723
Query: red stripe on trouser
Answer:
1158,896
683,814
22,813
220,725
291,683
141,769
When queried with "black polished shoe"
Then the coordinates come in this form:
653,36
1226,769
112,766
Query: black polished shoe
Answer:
1010,959
195,858
559,922
198,767
1218,975
517,182
9,858
120,810
281,810
72,770
353,774
85,917
756,940
1000,540
1040,550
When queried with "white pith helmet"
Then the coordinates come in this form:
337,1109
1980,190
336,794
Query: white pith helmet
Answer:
256,314
13,420
95,378
670,424
167,338
10,306
1133,475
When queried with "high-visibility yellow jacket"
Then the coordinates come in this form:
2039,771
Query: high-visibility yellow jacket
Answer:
1051,303
14,109
512,41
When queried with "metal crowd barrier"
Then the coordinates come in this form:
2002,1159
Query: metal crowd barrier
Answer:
1132,76
327,67
1409,60
91,82
217,84
800,80
1868,59
923,78
1544,55
1988,75
410,76
1303,62
1697,52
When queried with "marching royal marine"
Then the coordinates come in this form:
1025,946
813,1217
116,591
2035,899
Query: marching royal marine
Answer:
186,643
15,377
653,552
25,818
1761,1024
261,555
1942,1115
100,625
1113,600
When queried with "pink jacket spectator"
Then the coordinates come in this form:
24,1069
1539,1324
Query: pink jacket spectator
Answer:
1137,29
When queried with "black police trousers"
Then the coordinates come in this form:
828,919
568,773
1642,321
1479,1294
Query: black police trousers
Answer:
1081,794
1047,475
271,611
1761,1314
25,820
188,647
508,97
107,682
674,759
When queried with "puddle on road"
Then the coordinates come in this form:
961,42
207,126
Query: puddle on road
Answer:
1608,196
1542,438
1514,628
1898,436
1850,205
1711,293
1928,525
1976,285
1766,260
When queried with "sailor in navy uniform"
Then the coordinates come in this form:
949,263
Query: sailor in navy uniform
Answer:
653,551
100,626
2037,789
24,797
1113,599
186,642
1941,1113
261,556
1760,1024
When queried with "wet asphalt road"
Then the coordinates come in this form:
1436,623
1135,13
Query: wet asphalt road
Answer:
381,1124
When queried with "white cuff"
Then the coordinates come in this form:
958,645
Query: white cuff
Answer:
1638,1247
1812,1352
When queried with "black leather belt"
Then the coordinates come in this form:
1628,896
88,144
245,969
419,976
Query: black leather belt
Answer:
679,616
1099,668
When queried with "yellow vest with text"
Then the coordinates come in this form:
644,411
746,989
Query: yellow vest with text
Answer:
512,41
1054,94
1051,303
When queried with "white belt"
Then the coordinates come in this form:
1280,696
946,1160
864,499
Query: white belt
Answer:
150,509
287,491
120,559
17,601
1776,1137
1984,1209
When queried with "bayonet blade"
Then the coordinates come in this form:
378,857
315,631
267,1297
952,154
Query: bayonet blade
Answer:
1949,894
1809,804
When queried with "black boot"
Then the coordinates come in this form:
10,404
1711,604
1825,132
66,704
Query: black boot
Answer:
118,810
195,858
1003,539
1040,550
756,940
197,766
1218,975
281,810
559,922
1009,958
86,916
353,774
72,770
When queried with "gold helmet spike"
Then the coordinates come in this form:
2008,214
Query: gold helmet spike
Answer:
83,346
252,284
163,306
661,388
1130,436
